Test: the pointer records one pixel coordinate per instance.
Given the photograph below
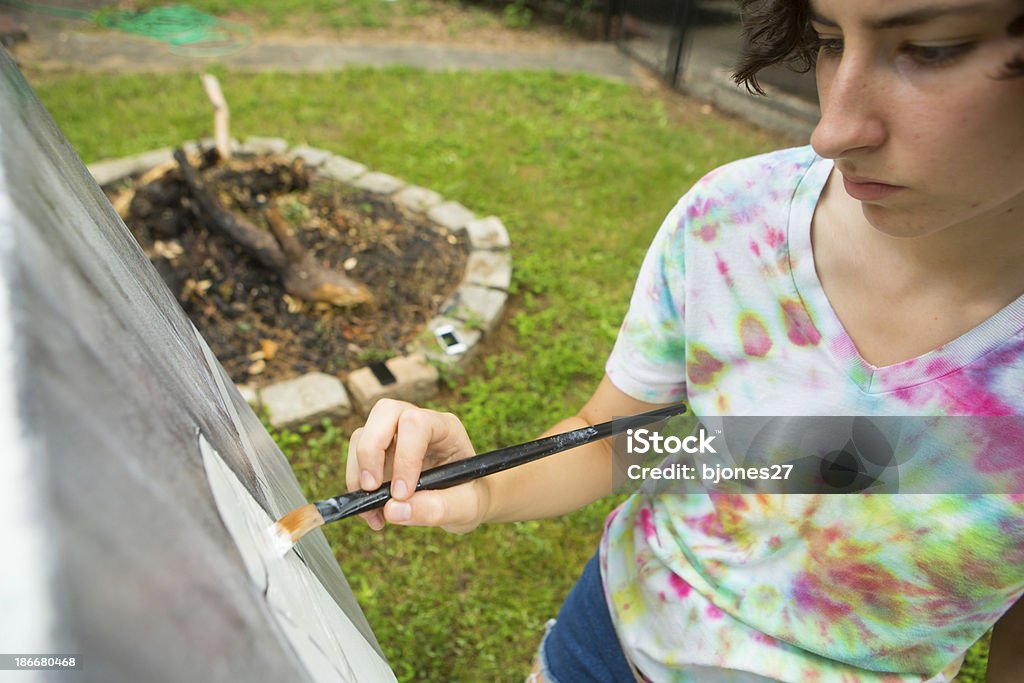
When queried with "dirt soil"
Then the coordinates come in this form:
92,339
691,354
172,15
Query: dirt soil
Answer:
259,332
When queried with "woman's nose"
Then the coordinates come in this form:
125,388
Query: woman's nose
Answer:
851,109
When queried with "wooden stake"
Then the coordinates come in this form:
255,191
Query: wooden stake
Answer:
221,116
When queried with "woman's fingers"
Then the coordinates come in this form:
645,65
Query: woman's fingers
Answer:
457,509
375,518
377,436
352,462
418,431
394,444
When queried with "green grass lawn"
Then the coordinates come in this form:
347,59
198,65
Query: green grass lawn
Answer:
582,171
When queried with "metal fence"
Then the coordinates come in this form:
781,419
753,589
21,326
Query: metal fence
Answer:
685,40
652,32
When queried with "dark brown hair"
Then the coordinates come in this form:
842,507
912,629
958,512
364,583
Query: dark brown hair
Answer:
779,32
1016,65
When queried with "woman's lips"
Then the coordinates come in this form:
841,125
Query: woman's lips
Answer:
867,190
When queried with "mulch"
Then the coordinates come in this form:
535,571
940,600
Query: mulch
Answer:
259,333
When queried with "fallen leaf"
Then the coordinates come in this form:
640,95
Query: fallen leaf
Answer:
191,287
169,250
269,348
257,367
123,202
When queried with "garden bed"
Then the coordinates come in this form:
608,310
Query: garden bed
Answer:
256,329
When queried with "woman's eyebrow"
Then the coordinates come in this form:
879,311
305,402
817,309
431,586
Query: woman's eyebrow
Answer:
914,17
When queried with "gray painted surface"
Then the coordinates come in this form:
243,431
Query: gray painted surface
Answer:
329,646
104,390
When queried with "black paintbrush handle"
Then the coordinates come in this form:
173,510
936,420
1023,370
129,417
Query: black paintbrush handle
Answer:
459,472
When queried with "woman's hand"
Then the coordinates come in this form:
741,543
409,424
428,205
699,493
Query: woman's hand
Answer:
398,442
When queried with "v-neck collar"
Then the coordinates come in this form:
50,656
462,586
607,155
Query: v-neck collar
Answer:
871,379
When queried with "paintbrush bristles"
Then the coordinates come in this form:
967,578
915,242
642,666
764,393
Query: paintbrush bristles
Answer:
287,531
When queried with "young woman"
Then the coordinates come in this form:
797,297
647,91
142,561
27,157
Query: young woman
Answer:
877,272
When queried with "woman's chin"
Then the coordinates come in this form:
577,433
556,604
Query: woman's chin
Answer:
898,224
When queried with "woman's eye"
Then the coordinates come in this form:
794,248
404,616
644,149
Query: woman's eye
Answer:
936,55
830,46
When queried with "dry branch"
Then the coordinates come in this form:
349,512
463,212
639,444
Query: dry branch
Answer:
300,273
306,277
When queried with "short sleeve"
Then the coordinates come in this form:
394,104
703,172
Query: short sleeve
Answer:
648,361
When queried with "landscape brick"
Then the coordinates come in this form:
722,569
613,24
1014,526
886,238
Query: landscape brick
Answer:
451,215
488,233
106,172
415,380
249,393
417,198
380,183
343,169
305,400
428,344
263,145
311,155
477,306
489,269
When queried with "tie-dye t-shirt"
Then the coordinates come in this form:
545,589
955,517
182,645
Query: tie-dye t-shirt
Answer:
728,315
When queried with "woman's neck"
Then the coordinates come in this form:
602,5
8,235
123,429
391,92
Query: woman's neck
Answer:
980,260
898,297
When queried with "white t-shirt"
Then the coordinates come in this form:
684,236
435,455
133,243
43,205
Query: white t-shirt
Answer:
729,316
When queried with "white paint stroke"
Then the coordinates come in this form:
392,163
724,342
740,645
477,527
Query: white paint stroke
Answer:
325,641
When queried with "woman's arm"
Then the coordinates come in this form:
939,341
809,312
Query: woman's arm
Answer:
399,440
1006,653
568,481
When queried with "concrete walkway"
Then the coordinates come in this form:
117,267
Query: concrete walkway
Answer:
96,51
59,42
65,43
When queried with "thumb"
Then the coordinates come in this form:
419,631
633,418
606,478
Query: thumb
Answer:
458,509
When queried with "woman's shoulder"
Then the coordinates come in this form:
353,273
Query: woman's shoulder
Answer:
766,173
754,191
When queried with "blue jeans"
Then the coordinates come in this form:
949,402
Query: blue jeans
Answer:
581,645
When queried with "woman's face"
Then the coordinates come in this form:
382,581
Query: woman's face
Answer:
925,134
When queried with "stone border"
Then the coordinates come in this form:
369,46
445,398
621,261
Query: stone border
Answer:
449,339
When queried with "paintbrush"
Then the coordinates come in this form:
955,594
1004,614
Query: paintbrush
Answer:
289,529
